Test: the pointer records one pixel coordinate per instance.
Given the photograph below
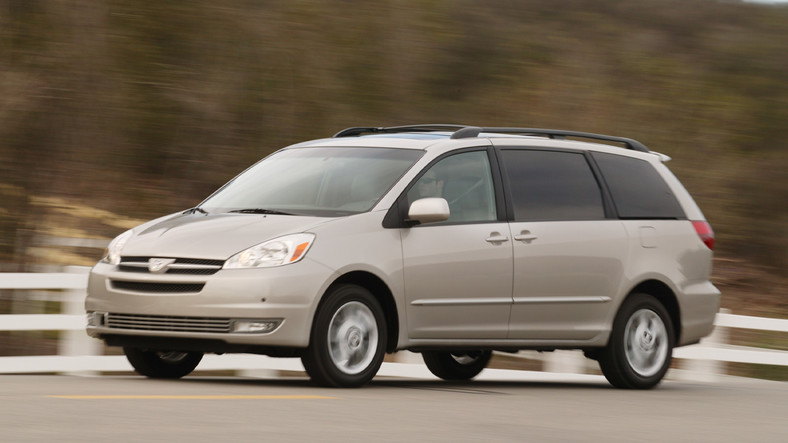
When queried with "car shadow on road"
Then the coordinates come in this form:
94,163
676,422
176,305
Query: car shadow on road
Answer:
473,386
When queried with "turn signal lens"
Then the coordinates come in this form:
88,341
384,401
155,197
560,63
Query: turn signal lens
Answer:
277,252
705,232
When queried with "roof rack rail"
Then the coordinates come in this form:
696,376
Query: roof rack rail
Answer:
351,132
463,131
563,134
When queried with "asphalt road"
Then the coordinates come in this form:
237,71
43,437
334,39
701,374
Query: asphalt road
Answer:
235,409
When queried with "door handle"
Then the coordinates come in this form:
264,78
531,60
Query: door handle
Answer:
525,236
496,237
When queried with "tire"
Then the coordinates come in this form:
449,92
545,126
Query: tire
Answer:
641,344
162,364
348,340
456,365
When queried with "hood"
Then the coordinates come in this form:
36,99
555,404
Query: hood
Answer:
211,236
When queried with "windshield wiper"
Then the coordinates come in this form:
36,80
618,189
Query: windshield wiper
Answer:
261,211
195,209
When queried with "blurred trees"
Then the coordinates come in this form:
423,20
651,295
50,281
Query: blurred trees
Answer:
144,107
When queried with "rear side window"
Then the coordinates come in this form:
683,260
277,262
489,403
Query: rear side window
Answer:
552,185
637,188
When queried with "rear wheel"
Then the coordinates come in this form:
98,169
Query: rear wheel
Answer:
348,339
456,365
641,344
162,364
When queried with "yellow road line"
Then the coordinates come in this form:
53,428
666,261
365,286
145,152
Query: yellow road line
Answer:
193,397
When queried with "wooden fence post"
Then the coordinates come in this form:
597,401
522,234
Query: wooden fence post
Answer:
709,370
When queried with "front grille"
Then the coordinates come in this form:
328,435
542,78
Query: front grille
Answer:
189,266
156,288
168,323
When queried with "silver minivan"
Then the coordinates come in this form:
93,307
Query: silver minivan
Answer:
452,241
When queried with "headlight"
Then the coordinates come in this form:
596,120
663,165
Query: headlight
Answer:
112,254
277,252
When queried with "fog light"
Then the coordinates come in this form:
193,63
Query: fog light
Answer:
96,319
256,326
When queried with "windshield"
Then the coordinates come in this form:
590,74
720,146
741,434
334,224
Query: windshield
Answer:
314,181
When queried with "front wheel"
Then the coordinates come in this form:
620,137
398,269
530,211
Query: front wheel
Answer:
162,364
456,365
348,338
641,344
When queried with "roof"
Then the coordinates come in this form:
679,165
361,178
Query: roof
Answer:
422,136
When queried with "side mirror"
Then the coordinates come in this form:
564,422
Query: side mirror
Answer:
428,210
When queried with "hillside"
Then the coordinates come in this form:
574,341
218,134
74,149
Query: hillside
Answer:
143,108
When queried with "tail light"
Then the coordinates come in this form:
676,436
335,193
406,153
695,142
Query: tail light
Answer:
705,232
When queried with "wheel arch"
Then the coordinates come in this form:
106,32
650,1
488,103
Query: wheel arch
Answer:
381,291
665,295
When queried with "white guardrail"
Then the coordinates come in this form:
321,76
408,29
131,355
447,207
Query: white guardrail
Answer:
79,353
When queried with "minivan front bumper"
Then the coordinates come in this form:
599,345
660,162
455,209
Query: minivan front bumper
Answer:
233,308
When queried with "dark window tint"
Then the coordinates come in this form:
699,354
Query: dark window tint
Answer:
637,188
552,185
